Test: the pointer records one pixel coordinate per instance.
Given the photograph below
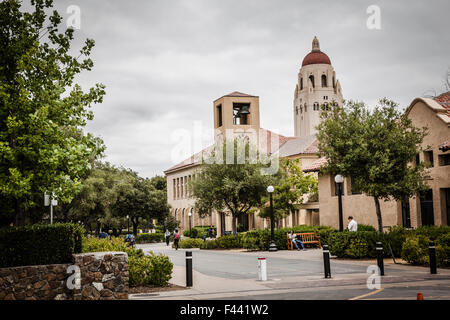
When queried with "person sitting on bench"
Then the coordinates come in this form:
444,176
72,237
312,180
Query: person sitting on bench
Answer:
296,241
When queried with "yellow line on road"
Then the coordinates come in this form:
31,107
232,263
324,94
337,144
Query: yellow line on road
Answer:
367,294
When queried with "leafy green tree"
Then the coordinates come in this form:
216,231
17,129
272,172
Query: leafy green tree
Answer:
139,199
375,147
42,110
234,188
291,186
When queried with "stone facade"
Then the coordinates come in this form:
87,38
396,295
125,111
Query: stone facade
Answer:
103,276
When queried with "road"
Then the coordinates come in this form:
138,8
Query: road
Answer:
232,274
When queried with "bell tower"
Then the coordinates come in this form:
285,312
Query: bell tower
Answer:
236,113
316,88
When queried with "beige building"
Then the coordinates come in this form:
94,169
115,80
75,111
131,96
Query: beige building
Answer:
431,208
238,114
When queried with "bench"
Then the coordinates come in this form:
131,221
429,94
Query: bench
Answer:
306,238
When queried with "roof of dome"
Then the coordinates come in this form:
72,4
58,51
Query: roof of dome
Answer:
316,56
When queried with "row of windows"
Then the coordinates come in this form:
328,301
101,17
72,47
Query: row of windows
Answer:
180,187
311,78
443,159
315,107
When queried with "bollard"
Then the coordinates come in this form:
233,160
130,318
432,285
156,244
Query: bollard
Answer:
432,250
326,261
262,269
380,261
188,268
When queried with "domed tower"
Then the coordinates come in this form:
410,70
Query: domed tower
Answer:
316,87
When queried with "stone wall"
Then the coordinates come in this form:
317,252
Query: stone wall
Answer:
103,276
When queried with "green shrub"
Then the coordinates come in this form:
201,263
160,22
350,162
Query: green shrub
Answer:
366,227
150,237
229,241
190,243
140,269
209,244
415,250
359,244
39,244
161,269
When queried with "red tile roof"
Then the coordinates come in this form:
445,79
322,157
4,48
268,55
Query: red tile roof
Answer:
316,165
444,100
316,57
266,135
445,146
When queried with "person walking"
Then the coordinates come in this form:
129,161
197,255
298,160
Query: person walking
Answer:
176,238
352,224
167,234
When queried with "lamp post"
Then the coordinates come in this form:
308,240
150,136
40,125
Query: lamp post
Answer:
190,221
128,223
272,246
50,201
339,179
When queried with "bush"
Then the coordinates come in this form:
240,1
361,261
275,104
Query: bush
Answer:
415,249
39,244
229,241
150,237
359,244
365,227
161,269
143,270
190,243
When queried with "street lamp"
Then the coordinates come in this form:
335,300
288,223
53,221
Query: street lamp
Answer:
190,221
50,201
128,223
339,179
272,246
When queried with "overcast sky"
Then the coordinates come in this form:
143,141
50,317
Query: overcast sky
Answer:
164,62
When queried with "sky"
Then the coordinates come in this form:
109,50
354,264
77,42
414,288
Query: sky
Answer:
164,62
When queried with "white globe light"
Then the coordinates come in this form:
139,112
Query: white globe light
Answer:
339,178
270,189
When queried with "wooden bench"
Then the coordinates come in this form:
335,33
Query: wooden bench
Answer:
306,238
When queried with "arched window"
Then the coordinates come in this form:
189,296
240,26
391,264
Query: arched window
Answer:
316,106
296,110
311,77
305,108
301,83
324,80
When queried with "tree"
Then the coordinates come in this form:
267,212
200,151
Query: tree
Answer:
375,148
231,188
42,111
139,199
291,186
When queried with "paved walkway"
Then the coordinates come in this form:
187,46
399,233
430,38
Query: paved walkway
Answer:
232,274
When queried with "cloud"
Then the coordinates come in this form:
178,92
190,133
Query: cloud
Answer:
165,62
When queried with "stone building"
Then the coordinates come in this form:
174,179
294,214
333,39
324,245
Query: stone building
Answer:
239,114
431,208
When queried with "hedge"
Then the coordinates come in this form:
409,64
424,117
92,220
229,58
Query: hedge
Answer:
198,232
150,237
40,244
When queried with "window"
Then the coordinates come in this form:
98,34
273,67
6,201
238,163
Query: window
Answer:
325,97
178,188
417,159
240,113
174,189
428,155
316,106
301,109
354,188
219,115
305,108
444,159
406,216
324,80
311,77
296,110
301,83
325,106
334,83
181,187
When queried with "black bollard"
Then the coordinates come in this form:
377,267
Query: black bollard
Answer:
432,249
326,261
188,268
380,261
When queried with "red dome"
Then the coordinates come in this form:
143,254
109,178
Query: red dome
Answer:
316,57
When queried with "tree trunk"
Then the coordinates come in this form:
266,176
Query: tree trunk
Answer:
20,214
135,225
378,211
233,223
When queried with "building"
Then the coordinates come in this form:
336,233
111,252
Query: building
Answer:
431,208
239,114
